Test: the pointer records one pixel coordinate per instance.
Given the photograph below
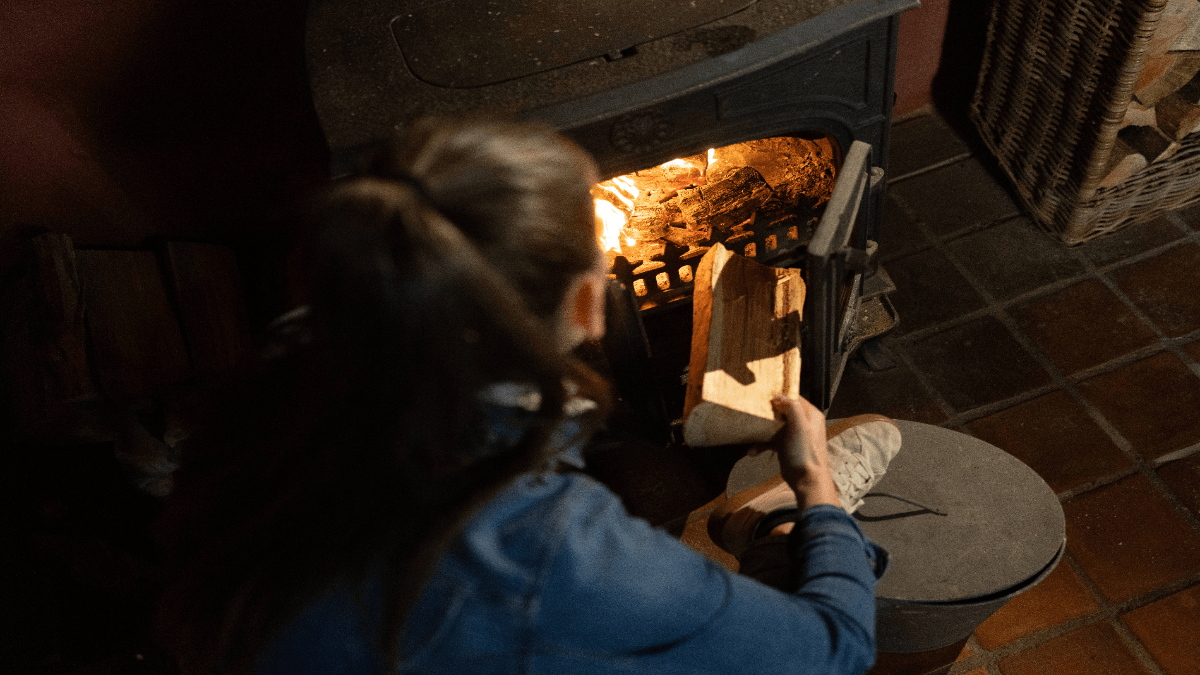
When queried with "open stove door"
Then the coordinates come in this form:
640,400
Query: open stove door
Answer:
839,259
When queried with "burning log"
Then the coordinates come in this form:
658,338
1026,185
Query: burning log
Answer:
649,221
685,237
673,175
726,203
745,349
800,171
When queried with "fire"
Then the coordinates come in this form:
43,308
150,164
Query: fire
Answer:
609,221
617,202
681,163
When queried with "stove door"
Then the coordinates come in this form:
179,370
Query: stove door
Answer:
837,259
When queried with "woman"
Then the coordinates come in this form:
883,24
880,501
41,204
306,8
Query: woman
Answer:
397,490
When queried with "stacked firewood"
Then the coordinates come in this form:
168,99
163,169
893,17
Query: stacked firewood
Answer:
1166,97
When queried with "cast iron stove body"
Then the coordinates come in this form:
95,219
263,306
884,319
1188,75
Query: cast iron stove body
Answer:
639,83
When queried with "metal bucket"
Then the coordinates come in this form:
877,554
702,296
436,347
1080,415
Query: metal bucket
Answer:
967,528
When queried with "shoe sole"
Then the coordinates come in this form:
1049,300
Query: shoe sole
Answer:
732,525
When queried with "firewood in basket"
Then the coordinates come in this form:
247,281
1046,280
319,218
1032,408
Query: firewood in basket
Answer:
1138,115
1179,113
726,203
1148,142
1163,74
745,349
1189,38
1176,20
1122,163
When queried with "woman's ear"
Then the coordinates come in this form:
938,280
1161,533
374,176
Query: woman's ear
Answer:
582,314
590,304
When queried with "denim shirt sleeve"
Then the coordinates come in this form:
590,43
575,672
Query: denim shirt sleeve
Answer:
620,596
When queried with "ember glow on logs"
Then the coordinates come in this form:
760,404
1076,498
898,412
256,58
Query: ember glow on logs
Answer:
656,223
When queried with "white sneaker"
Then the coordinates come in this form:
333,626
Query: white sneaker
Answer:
860,449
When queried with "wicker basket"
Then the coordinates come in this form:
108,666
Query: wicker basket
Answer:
1056,80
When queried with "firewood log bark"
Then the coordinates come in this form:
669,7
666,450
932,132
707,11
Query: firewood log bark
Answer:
745,349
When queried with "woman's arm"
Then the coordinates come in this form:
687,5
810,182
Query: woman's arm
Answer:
620,596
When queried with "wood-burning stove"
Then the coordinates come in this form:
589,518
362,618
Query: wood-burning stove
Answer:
639,84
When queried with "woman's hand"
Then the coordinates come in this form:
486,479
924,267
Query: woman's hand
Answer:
803,456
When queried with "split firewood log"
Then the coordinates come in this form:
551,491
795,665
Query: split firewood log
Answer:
1138,115
1176,20
1189,39
745,349
1179,113
1163,74
1123,162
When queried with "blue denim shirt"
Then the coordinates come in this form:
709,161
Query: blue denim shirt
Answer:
554,576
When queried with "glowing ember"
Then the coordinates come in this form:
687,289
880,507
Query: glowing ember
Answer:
609,221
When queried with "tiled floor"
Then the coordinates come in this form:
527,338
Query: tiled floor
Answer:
1084,363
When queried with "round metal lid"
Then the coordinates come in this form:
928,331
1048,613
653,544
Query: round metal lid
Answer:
1002,523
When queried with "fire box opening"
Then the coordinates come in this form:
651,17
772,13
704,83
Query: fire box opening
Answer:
761,199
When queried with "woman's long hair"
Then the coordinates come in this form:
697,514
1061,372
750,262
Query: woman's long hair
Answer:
439,272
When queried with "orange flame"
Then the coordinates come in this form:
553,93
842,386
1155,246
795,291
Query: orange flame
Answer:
609,221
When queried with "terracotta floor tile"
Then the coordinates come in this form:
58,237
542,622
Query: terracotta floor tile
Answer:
976,364
1183,477
1163,288
1060,597
1130,241
1056,438
895,393
1129,540
976,197
1092,650
919,143
1170,631
1193,350
929,290
1154,403
899,233
1082,326
1014,257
